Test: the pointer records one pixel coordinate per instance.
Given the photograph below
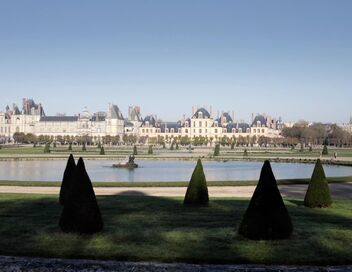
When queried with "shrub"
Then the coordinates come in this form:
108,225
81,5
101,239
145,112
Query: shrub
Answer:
318,193
99,145
233,145
81,212
172,146
164,146
266,217
54,144
217,150
177,147
245,153
325,150
310,149
102,151
135,152
70,146
150,150
197,191
84,147
47,148
67,179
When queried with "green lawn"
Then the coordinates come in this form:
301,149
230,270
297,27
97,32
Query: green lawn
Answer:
169,184
145,228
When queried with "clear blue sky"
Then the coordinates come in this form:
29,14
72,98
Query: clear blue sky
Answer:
287,58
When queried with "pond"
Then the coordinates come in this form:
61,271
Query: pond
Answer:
160,170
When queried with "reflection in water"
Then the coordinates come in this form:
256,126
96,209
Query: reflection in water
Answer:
160,170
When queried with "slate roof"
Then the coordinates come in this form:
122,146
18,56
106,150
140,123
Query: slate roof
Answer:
115,113
58,119
169,125
204,112
149,119
260,118
243,126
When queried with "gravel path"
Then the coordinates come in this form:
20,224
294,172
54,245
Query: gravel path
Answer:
341,190
20,264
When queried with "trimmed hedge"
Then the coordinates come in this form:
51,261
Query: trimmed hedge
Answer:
81,212
217,150
266,217
197,190
67,179
318,193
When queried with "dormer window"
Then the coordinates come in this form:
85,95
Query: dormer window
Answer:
200,115
259,124
233,130
247,130
240,130
147,124
172,130
166,130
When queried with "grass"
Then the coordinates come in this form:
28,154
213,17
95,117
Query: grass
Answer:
145,228
169,184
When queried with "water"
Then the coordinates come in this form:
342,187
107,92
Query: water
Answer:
160,170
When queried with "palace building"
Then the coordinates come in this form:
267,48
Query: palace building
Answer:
32,119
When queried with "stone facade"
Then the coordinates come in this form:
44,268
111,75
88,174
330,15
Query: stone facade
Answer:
32,119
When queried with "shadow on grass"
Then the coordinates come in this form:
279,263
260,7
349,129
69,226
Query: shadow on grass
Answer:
161,229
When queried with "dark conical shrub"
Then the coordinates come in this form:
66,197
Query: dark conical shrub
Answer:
81,212
67,179
325,150
266,217
217,150
135,152
102,151
197,191
318,193
99,145
84,147
70,146
150,150
245,153
47,148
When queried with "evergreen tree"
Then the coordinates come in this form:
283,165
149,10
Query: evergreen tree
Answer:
102,151
99,145
245,153
266,217
150,150
233,145
67,179
302,148
217,150
135,152
318,193
70,146
325,150
197,191
310,148
164,145
172,146
54,144
81,212
84,147
177,147
47,148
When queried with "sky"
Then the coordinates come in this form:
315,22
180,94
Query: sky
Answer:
289,59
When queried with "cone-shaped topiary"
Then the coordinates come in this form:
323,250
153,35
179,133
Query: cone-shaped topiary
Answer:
318,193
150,150
325,150
84,147
217,150
67,179
135,152
102,151
245,153
197,191
70,146
47,148
266,217
99,145
81,212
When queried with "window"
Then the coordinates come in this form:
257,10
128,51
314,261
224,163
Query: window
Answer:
206,124
233,130
172,130
200,130
262,130
142,130
247,130
254,130
240,130
194,123
200,123
216,131
200,115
